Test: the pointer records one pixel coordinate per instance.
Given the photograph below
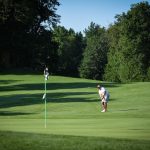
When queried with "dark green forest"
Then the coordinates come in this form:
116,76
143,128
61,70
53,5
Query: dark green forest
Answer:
30,39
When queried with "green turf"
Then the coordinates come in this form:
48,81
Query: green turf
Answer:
74,118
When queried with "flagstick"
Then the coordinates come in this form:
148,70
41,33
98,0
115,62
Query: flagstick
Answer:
46,74
45,103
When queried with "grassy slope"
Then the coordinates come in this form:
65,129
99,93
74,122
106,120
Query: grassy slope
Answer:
73,109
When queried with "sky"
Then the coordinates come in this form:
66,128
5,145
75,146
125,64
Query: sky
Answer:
78,14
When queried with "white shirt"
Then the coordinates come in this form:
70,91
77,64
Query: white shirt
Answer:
102,91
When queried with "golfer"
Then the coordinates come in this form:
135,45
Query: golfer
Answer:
104,95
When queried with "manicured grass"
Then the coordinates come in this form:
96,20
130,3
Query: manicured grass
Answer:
74,118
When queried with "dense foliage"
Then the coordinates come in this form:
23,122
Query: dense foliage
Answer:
95,54
70,50
129,51
22,35
30,38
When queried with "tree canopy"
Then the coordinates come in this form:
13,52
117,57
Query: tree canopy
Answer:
95,53
20,27
30,38
70,50
129,51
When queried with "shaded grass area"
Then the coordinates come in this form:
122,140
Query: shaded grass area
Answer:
33,99
24,141
51,86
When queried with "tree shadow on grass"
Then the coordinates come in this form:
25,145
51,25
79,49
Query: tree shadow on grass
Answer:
8,81
55,97
10,113
55,86
32,99
20,100
112,99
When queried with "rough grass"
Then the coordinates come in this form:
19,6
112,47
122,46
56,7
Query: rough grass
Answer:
30,141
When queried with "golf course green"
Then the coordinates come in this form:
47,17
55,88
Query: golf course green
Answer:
74,118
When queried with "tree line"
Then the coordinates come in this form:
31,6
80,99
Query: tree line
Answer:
30,39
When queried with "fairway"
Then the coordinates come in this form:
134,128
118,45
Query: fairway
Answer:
74,117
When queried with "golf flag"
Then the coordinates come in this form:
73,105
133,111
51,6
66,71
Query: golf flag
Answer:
44,95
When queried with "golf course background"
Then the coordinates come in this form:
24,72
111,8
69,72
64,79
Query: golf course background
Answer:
74,118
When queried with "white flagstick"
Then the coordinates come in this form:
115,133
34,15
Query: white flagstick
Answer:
45,103
46,74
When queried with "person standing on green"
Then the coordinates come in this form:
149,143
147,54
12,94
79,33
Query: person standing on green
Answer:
104,95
